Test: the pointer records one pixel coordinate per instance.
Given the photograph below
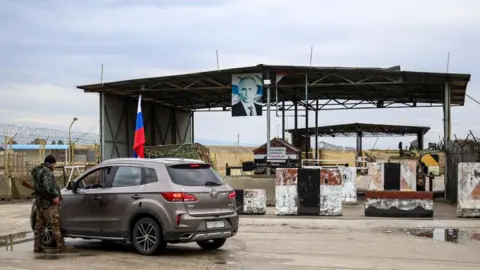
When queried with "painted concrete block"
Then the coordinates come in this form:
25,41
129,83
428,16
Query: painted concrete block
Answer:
349,189
398,204
408,176
286,176
391,176
239,200
254,201
468,204
376,176
331,177
330,200
308,189
286,194
331,192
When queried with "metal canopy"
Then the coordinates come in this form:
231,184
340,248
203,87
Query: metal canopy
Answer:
341,88
367,130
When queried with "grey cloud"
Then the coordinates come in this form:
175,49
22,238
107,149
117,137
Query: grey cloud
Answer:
44,42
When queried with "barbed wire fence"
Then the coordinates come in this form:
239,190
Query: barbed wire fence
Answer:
456,151
28,133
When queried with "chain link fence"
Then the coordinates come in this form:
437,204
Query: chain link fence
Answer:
459,150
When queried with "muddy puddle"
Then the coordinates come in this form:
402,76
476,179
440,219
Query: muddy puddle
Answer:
452,235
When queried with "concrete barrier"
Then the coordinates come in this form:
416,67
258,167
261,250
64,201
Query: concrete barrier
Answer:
251,201
331,192
398,204
393,176
286,193
254,201
468,201
308,191
408,175
375,176
266,183
349,188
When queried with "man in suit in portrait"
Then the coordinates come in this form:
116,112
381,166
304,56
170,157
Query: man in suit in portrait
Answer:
247,106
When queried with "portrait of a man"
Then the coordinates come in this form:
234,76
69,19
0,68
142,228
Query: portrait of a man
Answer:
247,93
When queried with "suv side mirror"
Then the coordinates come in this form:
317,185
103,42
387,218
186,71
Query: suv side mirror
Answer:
71,186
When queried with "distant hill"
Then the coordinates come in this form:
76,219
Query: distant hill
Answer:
321,145
329,146
223,143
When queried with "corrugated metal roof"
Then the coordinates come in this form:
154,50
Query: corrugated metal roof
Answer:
368,130
212,89
37,146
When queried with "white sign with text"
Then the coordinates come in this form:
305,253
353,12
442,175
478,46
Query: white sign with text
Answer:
277,153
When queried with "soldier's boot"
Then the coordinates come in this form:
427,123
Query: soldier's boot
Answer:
37,247
64,248
61,247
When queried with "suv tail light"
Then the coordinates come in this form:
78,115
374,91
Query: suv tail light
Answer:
178,197
232,195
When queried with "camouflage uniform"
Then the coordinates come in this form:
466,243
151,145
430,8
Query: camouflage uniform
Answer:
47,212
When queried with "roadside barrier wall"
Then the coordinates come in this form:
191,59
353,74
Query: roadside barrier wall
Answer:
393,191
398,204
468,202
349,187
266,183
308,191
251,201
393,176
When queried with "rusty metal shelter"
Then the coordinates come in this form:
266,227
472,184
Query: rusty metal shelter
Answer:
170,102
359,130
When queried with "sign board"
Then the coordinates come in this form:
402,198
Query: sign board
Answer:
277,153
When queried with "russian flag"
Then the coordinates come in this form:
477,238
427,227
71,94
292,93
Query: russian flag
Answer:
139,140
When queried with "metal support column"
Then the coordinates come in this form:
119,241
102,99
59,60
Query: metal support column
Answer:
420,136
307,137
283,120
173,127
359,149
295,123
102,126
446,114
267,78
446,130
316,129
192,124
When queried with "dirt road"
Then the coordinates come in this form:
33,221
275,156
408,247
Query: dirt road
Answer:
272,243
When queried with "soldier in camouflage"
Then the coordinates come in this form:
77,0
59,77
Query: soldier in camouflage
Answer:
47,201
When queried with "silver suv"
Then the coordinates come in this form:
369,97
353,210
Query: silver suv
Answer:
149,203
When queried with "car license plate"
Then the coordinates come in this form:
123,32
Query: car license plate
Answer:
215,224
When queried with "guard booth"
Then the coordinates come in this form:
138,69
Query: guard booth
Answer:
282,154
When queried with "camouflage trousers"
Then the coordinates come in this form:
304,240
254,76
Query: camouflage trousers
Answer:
48,217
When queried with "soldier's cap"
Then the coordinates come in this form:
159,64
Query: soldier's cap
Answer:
50,159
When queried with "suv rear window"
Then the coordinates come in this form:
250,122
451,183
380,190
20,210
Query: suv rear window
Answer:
194,175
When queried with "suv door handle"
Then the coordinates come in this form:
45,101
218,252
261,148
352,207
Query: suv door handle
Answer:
136,197
96,197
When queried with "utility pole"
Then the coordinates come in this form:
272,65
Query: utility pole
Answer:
238,139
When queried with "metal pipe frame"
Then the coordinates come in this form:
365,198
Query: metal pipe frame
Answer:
375,80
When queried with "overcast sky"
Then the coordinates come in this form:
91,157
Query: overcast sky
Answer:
49,47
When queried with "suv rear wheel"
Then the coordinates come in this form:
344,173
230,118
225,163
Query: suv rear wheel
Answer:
212,244
147,236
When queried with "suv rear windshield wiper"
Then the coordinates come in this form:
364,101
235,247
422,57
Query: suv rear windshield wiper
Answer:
210,183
